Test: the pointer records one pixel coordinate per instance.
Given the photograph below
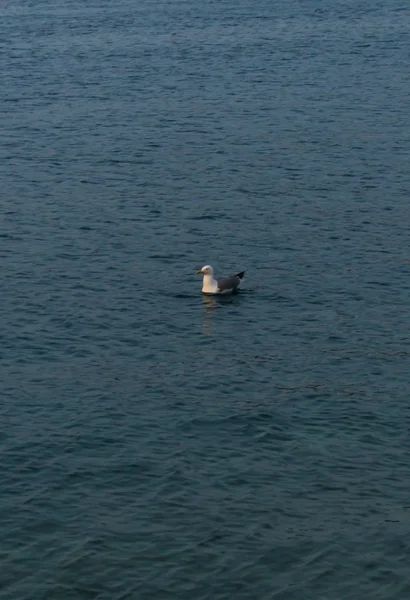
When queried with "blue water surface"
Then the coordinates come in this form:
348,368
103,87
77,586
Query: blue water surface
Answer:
158,444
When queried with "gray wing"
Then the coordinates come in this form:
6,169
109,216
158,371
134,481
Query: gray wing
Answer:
226,284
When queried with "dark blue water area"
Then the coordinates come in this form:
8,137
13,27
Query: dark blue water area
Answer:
158,443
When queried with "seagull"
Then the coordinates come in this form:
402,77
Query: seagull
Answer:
222,285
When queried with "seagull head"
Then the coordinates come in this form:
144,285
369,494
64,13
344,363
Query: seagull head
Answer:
206,270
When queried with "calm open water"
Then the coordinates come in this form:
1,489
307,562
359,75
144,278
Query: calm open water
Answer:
156,444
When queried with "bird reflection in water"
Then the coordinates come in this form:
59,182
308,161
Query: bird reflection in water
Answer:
212,304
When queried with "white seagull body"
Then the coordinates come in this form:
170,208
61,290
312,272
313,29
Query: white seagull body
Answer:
221,285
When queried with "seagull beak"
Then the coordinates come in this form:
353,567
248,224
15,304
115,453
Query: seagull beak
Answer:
199,272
